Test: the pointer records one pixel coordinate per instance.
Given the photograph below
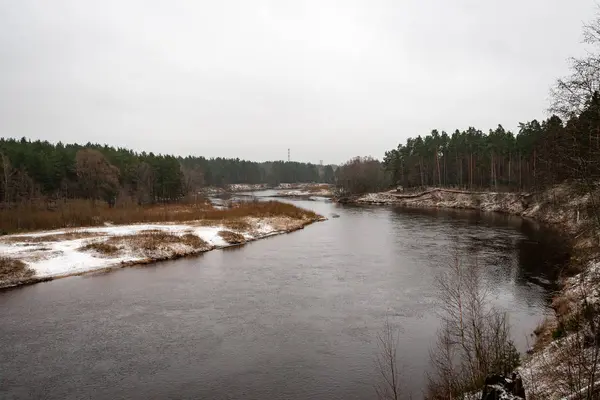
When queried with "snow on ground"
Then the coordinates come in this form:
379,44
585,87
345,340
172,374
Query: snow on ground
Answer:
245,187
60,253
549,373
305,193
377,198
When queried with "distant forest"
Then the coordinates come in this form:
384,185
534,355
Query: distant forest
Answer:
473,159
565,146
540,154
39,169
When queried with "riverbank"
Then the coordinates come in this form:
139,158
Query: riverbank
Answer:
560,206
50,254
563,355
303,191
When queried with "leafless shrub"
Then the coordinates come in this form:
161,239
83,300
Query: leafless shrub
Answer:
232,237
153,241
474,341
569,367
194,241
543,333
101,247
237,224
12,269
386,363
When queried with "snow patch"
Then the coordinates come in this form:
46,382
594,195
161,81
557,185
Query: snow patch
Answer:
54,258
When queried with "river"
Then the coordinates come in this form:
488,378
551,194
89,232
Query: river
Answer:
290,317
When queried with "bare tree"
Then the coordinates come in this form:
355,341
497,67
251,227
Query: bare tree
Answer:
474,341
571,93
98,178
144,182
7,173
194,178
576,98
361,175
387,363
569,367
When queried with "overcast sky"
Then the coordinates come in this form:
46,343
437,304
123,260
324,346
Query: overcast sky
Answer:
250,78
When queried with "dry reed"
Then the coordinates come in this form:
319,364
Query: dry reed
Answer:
80,213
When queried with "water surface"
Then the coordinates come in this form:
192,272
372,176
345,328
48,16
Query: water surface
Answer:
290,317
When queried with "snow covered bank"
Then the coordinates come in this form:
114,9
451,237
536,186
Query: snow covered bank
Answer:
246,187
566,360
304,190
305,194
234,188
568,367
513,203
559,205
59,253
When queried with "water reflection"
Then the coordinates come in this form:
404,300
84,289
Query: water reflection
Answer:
293,316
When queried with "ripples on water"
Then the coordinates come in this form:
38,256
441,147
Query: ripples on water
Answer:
293,316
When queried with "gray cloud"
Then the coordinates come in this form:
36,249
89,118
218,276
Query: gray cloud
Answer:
235,78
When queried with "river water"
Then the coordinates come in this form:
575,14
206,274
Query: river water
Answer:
290,317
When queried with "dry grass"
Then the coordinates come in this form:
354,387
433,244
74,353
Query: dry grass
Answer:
54,238
11,269
563,304
543,333
194,241
232,237
237,224
318,188
101,247
152,241
79,213
149,231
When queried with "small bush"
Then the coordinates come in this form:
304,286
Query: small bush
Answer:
156,240
194,241
559,332
101,247
11,269
232,237
237,225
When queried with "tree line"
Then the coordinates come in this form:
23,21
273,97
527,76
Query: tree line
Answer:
498,159
35,169
565,146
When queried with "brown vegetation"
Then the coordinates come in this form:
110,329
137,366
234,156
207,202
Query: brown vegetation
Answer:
474,341
543,333
101,247
146,241
237,224
13,270
79,213
152,241
54,237
232,237
361,175
318,188
570,367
